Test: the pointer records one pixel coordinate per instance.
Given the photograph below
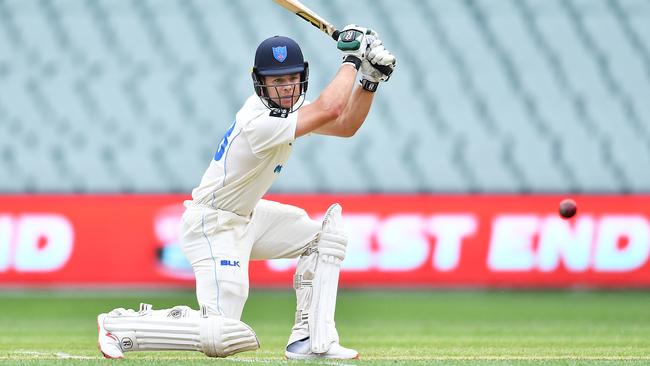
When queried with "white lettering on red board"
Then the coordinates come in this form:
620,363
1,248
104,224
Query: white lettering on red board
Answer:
401,242
515,242
449,231
611,243
35,242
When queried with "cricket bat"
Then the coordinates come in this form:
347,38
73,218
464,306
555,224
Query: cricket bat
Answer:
319,22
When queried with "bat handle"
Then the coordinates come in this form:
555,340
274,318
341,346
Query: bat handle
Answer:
386,70
335,35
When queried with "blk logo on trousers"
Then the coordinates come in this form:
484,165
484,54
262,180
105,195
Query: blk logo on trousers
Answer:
229,263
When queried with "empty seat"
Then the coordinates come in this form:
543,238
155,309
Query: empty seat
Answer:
125,96
539,162
485,155
435,157
585,156
339,164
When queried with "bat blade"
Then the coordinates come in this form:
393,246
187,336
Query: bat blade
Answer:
309,15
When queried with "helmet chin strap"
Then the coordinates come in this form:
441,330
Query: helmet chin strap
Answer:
269,102
273,104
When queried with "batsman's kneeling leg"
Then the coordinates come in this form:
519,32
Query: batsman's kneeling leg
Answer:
179,328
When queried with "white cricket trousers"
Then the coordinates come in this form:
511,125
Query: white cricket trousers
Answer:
219,245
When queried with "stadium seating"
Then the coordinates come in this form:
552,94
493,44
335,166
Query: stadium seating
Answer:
489,96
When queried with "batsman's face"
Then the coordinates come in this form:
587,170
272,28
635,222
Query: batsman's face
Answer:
284,90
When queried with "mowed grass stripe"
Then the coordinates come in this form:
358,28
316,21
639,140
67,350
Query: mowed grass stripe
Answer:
387,327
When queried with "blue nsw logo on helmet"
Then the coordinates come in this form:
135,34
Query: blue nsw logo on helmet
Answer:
280,53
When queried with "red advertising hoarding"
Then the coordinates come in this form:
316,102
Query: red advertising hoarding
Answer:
394,240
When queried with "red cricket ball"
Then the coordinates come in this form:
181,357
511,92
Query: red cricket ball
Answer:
568,208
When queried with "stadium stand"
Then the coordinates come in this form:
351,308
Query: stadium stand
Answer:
508,96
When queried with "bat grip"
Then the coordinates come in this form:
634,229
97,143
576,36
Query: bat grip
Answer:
386,70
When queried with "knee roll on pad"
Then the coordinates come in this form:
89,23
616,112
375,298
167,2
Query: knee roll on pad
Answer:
222,337
333,244
333,240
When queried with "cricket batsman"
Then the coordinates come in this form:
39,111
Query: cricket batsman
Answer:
227,223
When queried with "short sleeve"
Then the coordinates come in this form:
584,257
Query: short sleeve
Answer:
269,130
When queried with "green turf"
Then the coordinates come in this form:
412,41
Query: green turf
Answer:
388,328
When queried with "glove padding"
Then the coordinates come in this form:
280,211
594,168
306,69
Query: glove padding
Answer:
352,41
377,54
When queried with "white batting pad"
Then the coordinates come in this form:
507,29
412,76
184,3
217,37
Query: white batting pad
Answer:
143,331
180,329
331,252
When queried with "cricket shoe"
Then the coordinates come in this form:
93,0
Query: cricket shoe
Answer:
108,343
301,350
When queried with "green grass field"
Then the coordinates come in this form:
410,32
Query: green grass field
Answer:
388,328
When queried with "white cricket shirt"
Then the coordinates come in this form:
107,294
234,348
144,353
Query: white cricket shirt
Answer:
248,160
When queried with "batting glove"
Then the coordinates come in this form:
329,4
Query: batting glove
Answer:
377,55
352,42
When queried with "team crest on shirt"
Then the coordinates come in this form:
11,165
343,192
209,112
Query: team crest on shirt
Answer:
280,53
